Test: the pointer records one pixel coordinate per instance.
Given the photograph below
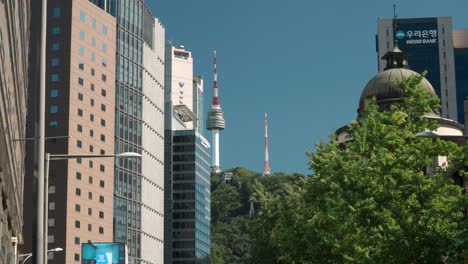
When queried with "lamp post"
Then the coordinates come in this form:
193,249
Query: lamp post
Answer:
48,158
29,255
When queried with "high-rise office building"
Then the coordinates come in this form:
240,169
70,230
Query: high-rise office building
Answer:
14,38
429,45
105,83
460,45
80,102
139,127
187,167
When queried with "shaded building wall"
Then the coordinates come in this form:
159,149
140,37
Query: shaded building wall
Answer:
14,39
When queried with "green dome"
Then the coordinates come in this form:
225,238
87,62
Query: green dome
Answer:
384,87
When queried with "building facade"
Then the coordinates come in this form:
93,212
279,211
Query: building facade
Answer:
14,39
429,45
460,45
139,127
187,167
80,102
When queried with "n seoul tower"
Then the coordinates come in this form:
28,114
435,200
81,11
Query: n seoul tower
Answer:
215,121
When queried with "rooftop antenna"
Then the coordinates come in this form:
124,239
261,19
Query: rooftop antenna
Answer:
394,12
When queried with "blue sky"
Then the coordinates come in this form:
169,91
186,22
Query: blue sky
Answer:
303,62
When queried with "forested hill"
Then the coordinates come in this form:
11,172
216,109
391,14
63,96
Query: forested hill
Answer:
231,220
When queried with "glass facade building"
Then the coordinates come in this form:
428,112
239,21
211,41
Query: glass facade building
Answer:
139,127
189,171
461,73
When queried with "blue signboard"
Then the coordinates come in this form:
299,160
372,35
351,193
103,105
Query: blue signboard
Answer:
103,253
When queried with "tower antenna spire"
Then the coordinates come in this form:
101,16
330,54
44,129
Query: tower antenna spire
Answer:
266,165
215,81
394,12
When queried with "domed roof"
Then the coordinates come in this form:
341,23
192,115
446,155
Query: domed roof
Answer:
384,87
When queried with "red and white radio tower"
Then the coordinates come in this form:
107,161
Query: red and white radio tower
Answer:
266,166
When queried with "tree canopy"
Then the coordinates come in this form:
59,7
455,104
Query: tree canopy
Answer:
372,199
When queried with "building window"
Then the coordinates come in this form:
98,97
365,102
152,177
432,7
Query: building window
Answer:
51,206
52,222
80,96
81,51
90,179
102,152
103,92
91,133
101,183
104,62
93,57
81,66
77,257
104,48
54,77
80,81
93,23
55,47
77,240
78,176
82,16
55,62
91,148
101,230
91,164
103,138
104,30
92,87
93,41
78,192
90,195
53,124
103,107
102,168
51,189
91,117
79,128
90,211
79,143
56,30
53,109
77,208
91,102
53,93
101,214
104,78
80,112
103,123
78,160
82,37
101,199
92,72
90,227
56,12
50,239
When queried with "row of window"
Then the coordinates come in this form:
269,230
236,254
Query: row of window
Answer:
90,211
90,180
102,168
93,42
81,82
93,23
90,195
54,93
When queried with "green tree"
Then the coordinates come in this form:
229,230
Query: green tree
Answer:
371,200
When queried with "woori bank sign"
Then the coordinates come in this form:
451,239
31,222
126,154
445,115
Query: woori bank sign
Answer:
412,37
416,32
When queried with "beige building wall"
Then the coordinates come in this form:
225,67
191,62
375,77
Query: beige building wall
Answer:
81,205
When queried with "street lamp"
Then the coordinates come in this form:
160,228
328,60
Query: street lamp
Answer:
29,255
48,158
